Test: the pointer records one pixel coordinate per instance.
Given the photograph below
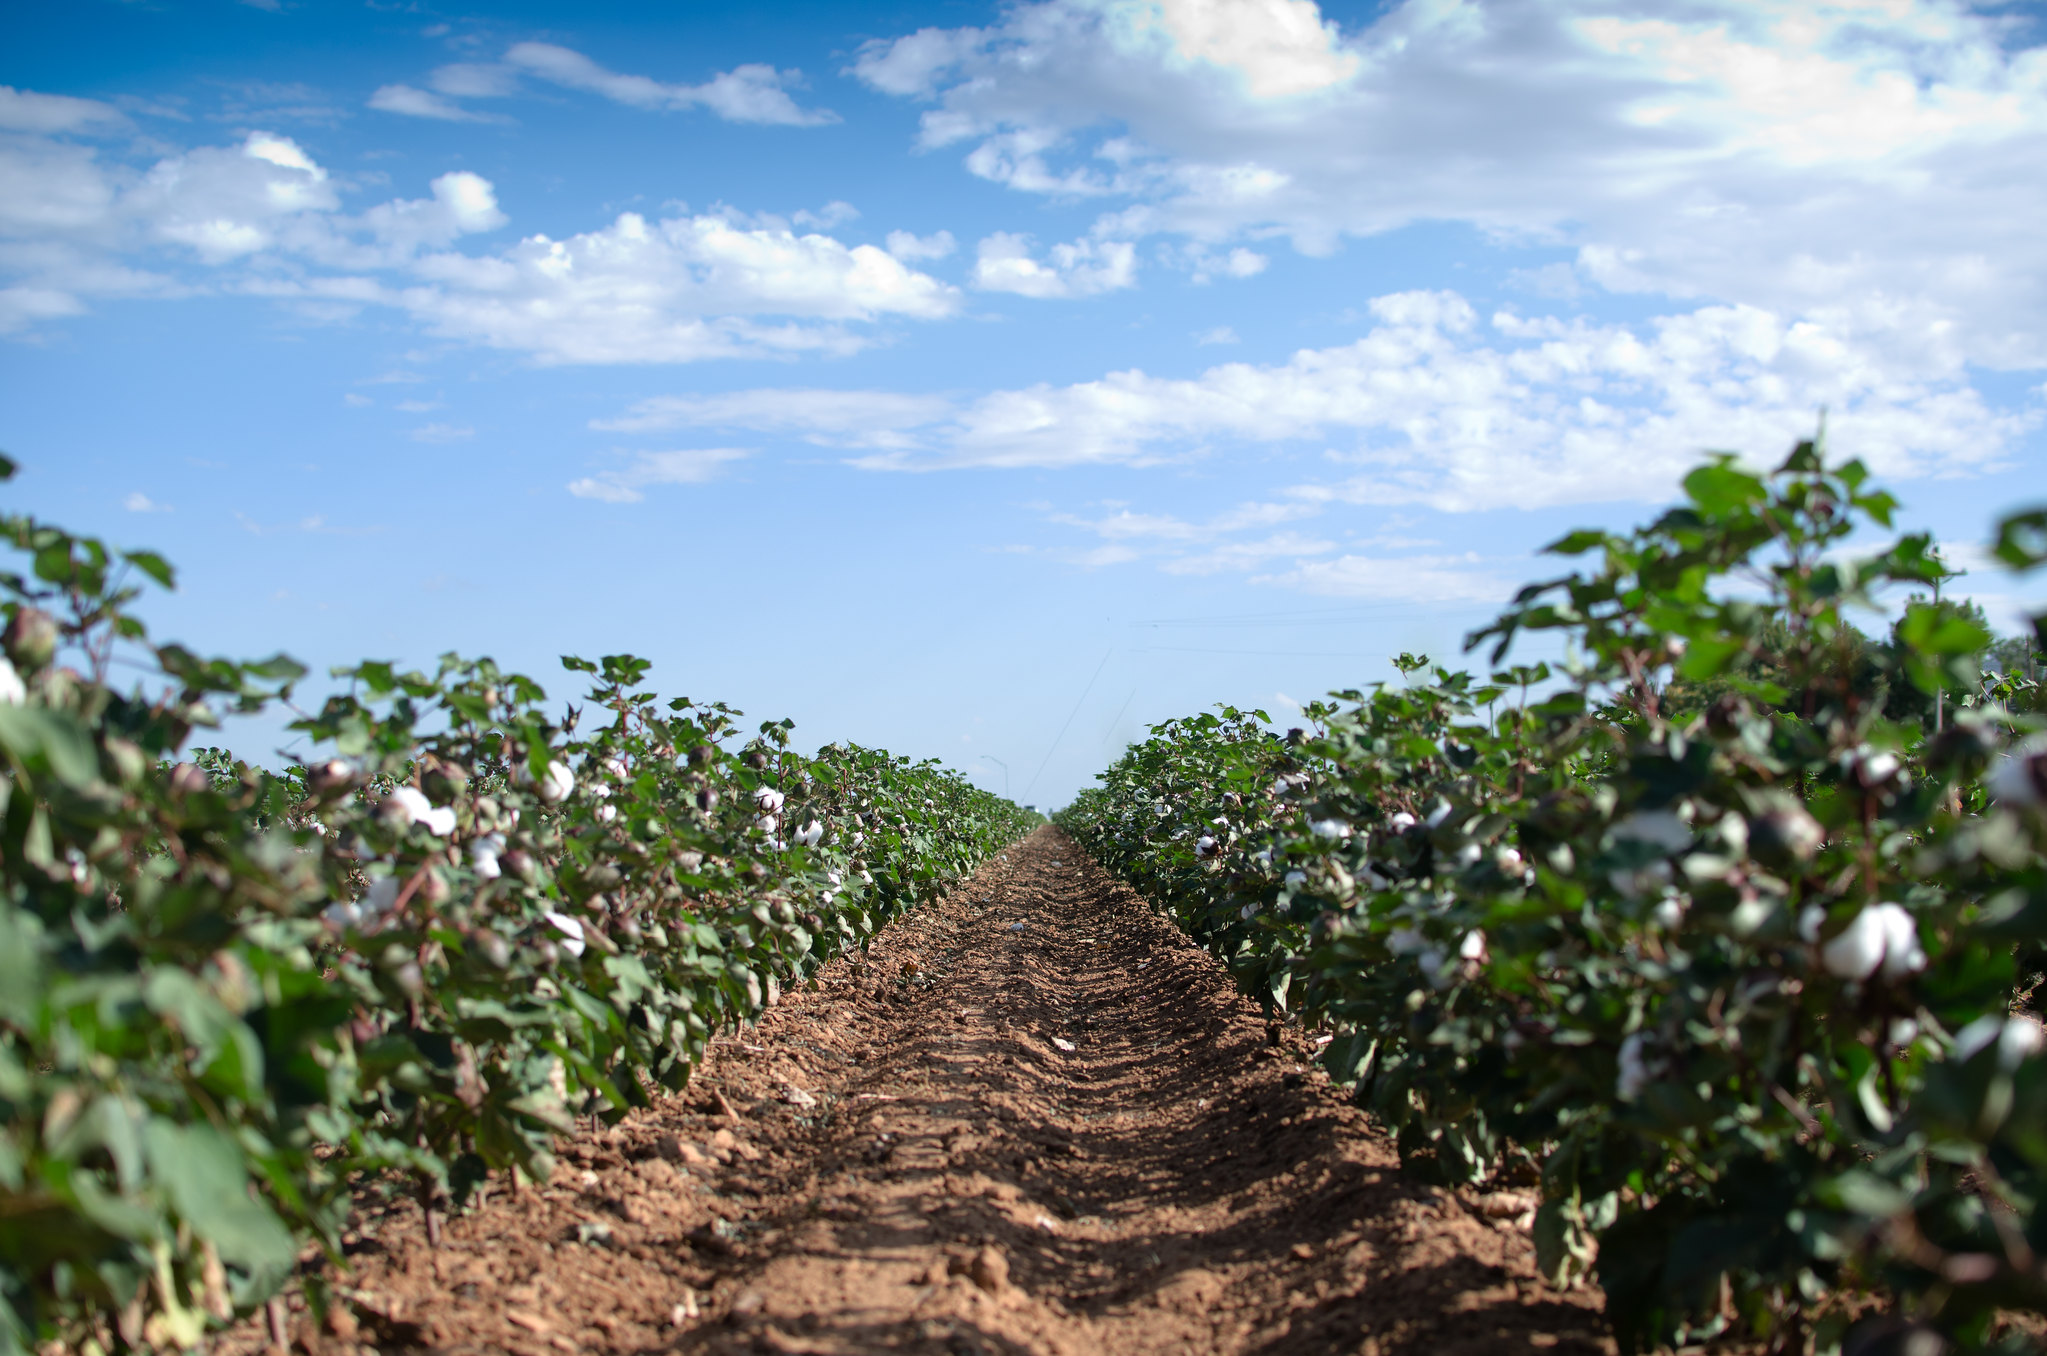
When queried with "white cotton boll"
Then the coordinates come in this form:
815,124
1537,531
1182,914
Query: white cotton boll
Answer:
831,878
1634,1074
1280,788
342,915
1296,878
381,897
813,834
1859,948
570,930
13,692
1472,948
483,855
558,784
1400,821
1330,828
600,791
1248,912
1508,860
1469,854
859,838
412,801
616,767
606,813
1668,913
767,823
439,822
1903,1031
1811,919
1902,953
1204,846
769,799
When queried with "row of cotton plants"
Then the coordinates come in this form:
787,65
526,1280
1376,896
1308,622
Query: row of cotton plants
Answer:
1722,941
228,997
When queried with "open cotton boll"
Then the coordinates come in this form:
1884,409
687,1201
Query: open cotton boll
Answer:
606,813
13,692
1204,846
616,767
1472,948
1296,878
1400,821
1469,854
440,822
1508,860
412,802
557,785
1330,828
569,928
1882,937
769,799
811,835
343,915
484,853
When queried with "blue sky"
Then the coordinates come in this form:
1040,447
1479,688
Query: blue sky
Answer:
985,382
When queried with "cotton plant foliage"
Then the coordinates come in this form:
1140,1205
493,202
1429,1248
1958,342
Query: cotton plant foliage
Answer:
229,995
1715,934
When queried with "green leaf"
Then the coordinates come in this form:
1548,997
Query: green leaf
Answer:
206,1177
39,738
153,565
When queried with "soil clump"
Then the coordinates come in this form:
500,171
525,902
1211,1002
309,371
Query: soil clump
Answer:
1031,1118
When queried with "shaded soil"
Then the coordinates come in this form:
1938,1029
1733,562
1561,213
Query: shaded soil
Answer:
1032,1118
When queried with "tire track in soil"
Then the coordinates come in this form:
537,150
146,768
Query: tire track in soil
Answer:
1066,1137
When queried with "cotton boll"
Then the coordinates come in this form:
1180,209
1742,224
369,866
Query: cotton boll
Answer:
1400,821
606,813
343,915
409,804
558,784
767,823
1204,846
616,767
1469,854
1473,948
812,834
13,692
1668,913
1330,828
1903,1031
1508,860
1811,919
1902,953
1296,878
570,930
440,822
1868,943
484,853
769,799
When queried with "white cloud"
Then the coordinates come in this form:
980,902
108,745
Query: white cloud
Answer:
420,103
24,110
1457,578
865,419
138,502
913,249
750,93
1221,334
1438,405
264,217
443,433
355,401
1787,154
689,467
1081,269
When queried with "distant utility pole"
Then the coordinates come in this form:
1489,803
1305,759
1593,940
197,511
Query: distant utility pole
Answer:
1005,773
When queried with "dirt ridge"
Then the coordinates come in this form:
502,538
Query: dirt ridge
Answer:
1031,1118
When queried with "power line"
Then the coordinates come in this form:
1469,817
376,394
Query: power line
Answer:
1069,721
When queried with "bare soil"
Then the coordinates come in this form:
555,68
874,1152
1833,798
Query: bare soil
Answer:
1032,1118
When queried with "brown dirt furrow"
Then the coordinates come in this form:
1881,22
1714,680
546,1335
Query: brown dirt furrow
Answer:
1032,1118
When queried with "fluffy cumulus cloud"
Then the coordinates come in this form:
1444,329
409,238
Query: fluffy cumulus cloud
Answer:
628,484
1439,405
1788,154
1081,269
263,216
751,93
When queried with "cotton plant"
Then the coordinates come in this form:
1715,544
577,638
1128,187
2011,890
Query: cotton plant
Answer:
1685,929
